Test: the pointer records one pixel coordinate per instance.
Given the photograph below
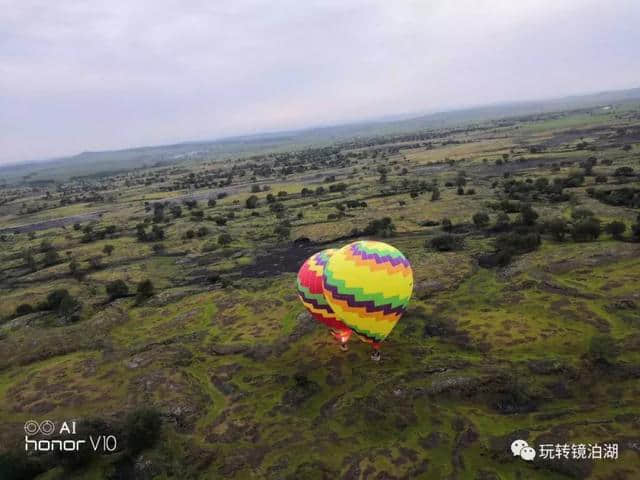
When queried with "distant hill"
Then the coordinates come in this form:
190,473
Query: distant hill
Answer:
91,163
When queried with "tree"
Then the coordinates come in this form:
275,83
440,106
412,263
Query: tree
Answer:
252,202
68,306
176,211
74,268
528,215
144,290
54,299
51,257
255,188
29,259
445,242
108,250
447,226
615,229
117,289
224,239
382,227
481,219
502,223
435,194
271,198
142,429
558,228
586,230
211,202
202,231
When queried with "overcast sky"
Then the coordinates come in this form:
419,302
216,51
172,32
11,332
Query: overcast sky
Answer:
97,75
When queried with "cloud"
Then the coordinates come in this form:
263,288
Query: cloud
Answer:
97,75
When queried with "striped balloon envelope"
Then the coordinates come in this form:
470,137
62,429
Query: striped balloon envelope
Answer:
368,285
310,292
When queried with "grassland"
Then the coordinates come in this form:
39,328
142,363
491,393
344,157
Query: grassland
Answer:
247,386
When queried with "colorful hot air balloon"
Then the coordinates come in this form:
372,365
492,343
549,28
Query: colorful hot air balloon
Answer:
309,285
368,285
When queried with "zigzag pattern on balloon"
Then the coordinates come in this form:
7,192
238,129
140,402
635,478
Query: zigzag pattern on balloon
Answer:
316,301
378,298
309,286
370,306
380,259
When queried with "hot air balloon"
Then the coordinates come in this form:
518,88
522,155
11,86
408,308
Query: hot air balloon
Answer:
309,285
368,285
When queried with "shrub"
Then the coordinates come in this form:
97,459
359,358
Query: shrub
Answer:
108,249
176,211
224,239
624,172
382,227
51,257
251,202
211,202
447,226
202,231
117,289
429,223
481,219
282,231
502,223
603,348
435,195
615,229
528,215
499,258
54,299
558,228
23,309
255,188
144,290
516,242
68,306
586,230
446,242
142,429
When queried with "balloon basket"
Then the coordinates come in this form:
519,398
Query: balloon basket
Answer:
344,347
376,356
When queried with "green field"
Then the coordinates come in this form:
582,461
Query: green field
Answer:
519,327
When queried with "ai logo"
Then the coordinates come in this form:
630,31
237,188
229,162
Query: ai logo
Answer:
521,448
106,443
47,427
